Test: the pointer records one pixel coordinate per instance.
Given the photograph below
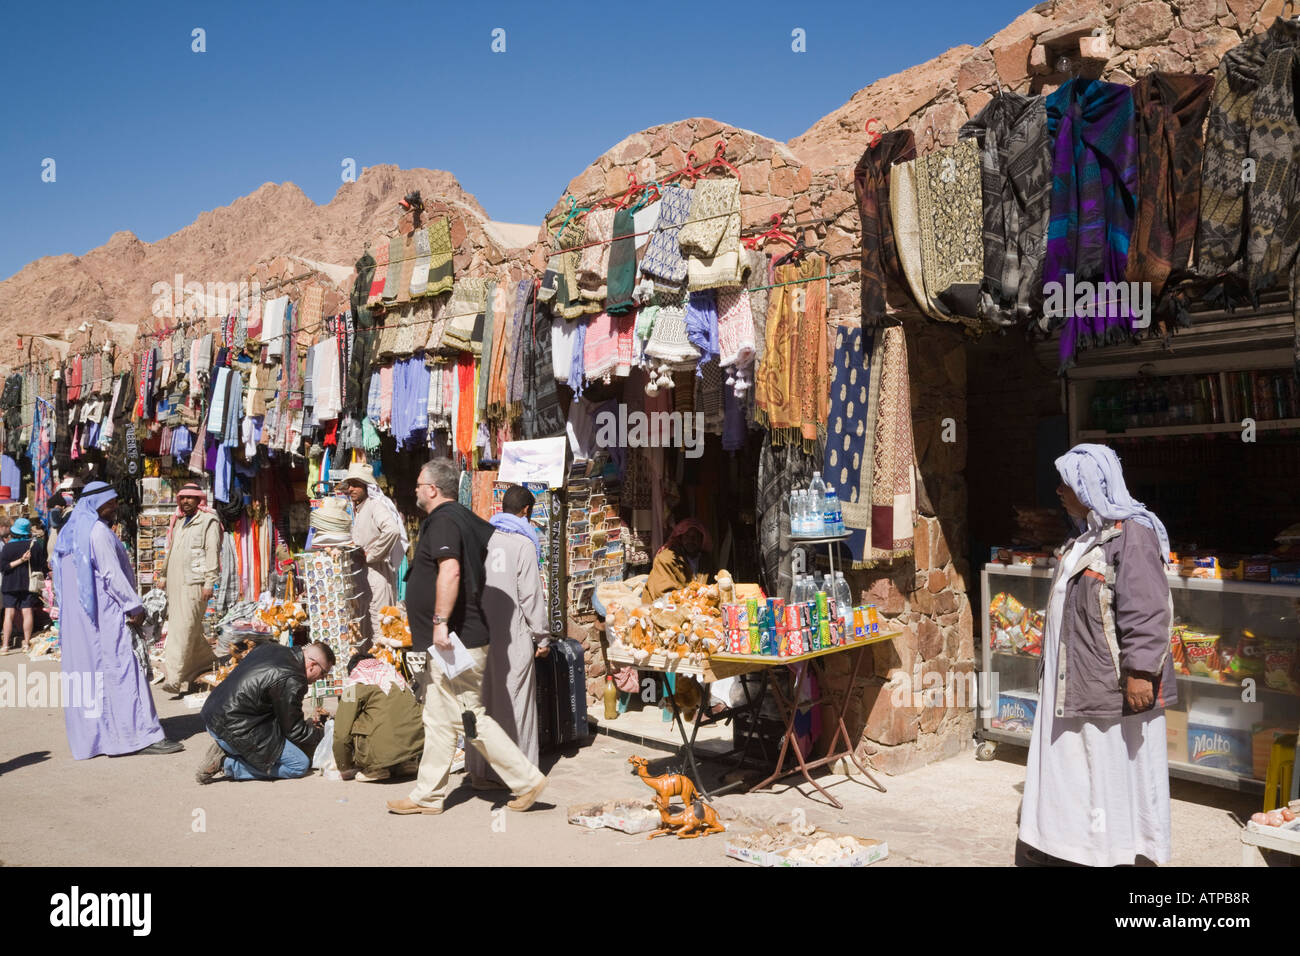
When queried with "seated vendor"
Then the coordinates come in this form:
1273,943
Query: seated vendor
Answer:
378,727
683,558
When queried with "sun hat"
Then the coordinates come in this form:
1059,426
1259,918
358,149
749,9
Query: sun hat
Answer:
332,516
22,528
357,471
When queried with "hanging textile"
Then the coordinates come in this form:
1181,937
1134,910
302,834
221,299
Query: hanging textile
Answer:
663,259
393,272
593,267
465,404
1016,172
906,224
793,383
754,269
702,326
408,268
518,343
410,403
711,237
879,261
468,302
365,269
420,269
622,265
542,414
869,442
441,254
1170,114
38,451
948,203
735,328
569,303
1224,221
782,468
1094,190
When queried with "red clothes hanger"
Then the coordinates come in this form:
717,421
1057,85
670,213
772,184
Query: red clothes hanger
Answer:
773,233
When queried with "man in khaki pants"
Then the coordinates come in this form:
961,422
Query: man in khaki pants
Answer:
189,573
443,593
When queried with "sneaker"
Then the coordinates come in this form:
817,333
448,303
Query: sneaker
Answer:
528,797
164,746
370,777
406,805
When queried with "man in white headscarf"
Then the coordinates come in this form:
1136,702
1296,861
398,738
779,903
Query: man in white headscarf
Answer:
1097,778
378,530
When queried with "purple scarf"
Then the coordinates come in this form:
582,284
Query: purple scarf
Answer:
702,326
1094,200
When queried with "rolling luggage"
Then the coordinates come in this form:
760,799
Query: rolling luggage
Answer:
562,695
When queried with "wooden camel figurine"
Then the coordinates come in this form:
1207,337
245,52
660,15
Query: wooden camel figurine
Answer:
665,787
697,819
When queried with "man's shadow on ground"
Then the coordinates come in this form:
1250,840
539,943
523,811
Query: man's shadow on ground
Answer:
25,760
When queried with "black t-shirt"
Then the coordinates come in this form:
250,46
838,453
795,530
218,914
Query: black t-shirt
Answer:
443,535
16,580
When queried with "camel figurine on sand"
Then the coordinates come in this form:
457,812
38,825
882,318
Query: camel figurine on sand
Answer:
697,819
665,787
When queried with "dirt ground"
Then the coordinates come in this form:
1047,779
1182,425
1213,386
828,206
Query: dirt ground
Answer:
148,810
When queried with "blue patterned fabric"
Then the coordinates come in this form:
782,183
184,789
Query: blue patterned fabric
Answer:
663,258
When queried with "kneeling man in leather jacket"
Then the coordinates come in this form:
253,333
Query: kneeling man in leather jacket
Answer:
255,715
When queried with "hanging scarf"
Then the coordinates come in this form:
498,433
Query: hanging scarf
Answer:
74,538
622,265
663,257
542,414
702,325
465,402
420,269
879,261
499,376
568,298
518,343
948,196
793,383
577,378
907,236
1095,475
513,524
393,273
1171,111
468,301
441,253
1094,189
711,237
1016,177
593,267
365,269
1221,231
735,328
1274,234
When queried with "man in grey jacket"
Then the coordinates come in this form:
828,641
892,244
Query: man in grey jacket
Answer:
515,606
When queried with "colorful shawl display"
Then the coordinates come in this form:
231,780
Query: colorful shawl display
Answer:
1016,176
948,202
711,237
793,382
869,453
622,266
663,257
1170,111
1274,215
1094,195
468,302
880,261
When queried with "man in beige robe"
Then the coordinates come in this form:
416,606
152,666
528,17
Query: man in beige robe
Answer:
515,608
189,574
377,529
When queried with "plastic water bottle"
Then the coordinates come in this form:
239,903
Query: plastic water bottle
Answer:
817,492
834,519
794,512
844,601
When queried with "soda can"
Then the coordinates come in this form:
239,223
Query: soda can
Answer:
824,634
794,643
823,605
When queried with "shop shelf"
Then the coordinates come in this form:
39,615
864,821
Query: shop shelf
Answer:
1267,425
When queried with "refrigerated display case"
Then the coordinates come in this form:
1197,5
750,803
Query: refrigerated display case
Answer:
1236,642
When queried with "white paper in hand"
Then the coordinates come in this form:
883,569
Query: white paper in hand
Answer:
452,661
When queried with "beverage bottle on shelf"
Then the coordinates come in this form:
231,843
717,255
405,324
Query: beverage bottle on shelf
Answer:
844,601
834,520
817,504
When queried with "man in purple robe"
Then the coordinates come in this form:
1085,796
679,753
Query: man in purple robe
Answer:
113,712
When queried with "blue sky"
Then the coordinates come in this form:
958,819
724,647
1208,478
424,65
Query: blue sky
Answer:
146,134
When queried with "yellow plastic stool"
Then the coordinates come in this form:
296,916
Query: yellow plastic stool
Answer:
1281,764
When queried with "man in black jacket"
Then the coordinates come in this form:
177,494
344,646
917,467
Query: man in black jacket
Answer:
255,715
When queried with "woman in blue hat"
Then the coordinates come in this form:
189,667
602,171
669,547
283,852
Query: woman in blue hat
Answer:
20,556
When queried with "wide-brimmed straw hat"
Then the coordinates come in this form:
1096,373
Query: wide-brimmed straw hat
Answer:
357,471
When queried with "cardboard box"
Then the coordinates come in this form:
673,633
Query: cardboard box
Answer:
1176,734
1016,711
1219,735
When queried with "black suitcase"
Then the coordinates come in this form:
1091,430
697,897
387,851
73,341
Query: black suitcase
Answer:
562,695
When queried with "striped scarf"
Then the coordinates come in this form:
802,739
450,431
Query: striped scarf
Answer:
1094,190
879,262
1016,179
